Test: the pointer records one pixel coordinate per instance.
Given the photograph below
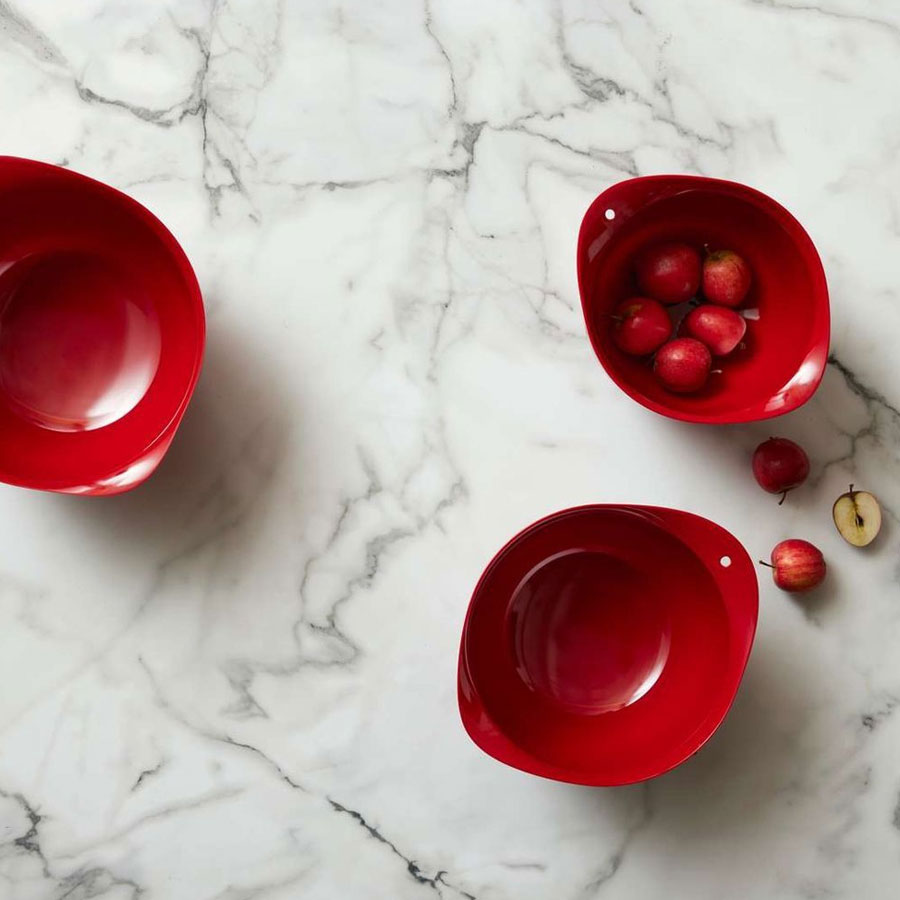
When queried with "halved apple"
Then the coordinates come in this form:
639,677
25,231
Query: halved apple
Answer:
857,516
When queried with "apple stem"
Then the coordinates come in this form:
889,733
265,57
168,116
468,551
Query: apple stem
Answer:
783,496
762,562
851,490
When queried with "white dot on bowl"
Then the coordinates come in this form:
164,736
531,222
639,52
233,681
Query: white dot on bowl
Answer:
725,562
610,214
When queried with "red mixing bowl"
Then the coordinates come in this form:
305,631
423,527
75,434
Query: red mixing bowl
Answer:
101,333
604,644
787,338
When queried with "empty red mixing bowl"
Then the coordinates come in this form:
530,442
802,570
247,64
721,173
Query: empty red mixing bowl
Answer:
604,644
788,333
101,333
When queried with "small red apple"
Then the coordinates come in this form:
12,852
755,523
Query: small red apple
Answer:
719,328
683,365
796,565
669,272
726,278
780,465
642,325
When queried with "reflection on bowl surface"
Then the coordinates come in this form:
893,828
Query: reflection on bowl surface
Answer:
588,631
79,344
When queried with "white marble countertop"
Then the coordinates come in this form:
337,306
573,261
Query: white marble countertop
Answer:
239,681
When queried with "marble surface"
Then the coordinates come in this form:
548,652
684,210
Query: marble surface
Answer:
239,681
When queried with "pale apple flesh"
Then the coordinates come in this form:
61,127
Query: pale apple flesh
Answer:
857,517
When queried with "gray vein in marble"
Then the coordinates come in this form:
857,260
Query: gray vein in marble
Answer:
469,132
193,104
618,160
22,31
223,523
599,89
868,394
662,85
231,742
229,510
837,846
336,185
429,27
30,841
29,611
457,492
873,400
595,87
586,81
435,882
443,306
240,676
524,866
375,550
636,9
147,773
167,812
612,865
822,10
94,882
79,885
208,147
257,891
349,649
196,104
220,738
342,650
162,117
872,719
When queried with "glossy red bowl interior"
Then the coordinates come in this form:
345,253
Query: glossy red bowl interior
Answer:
787,346
604,644
101,333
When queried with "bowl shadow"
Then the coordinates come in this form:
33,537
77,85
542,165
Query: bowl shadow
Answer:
733,785
226,450
844,412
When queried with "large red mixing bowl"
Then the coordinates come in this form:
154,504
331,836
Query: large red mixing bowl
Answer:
604,644
101,333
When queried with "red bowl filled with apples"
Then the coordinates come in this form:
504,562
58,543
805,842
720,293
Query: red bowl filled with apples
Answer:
705,300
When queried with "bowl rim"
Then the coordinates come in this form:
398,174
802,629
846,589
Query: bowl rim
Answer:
490,737
817,353
165,431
